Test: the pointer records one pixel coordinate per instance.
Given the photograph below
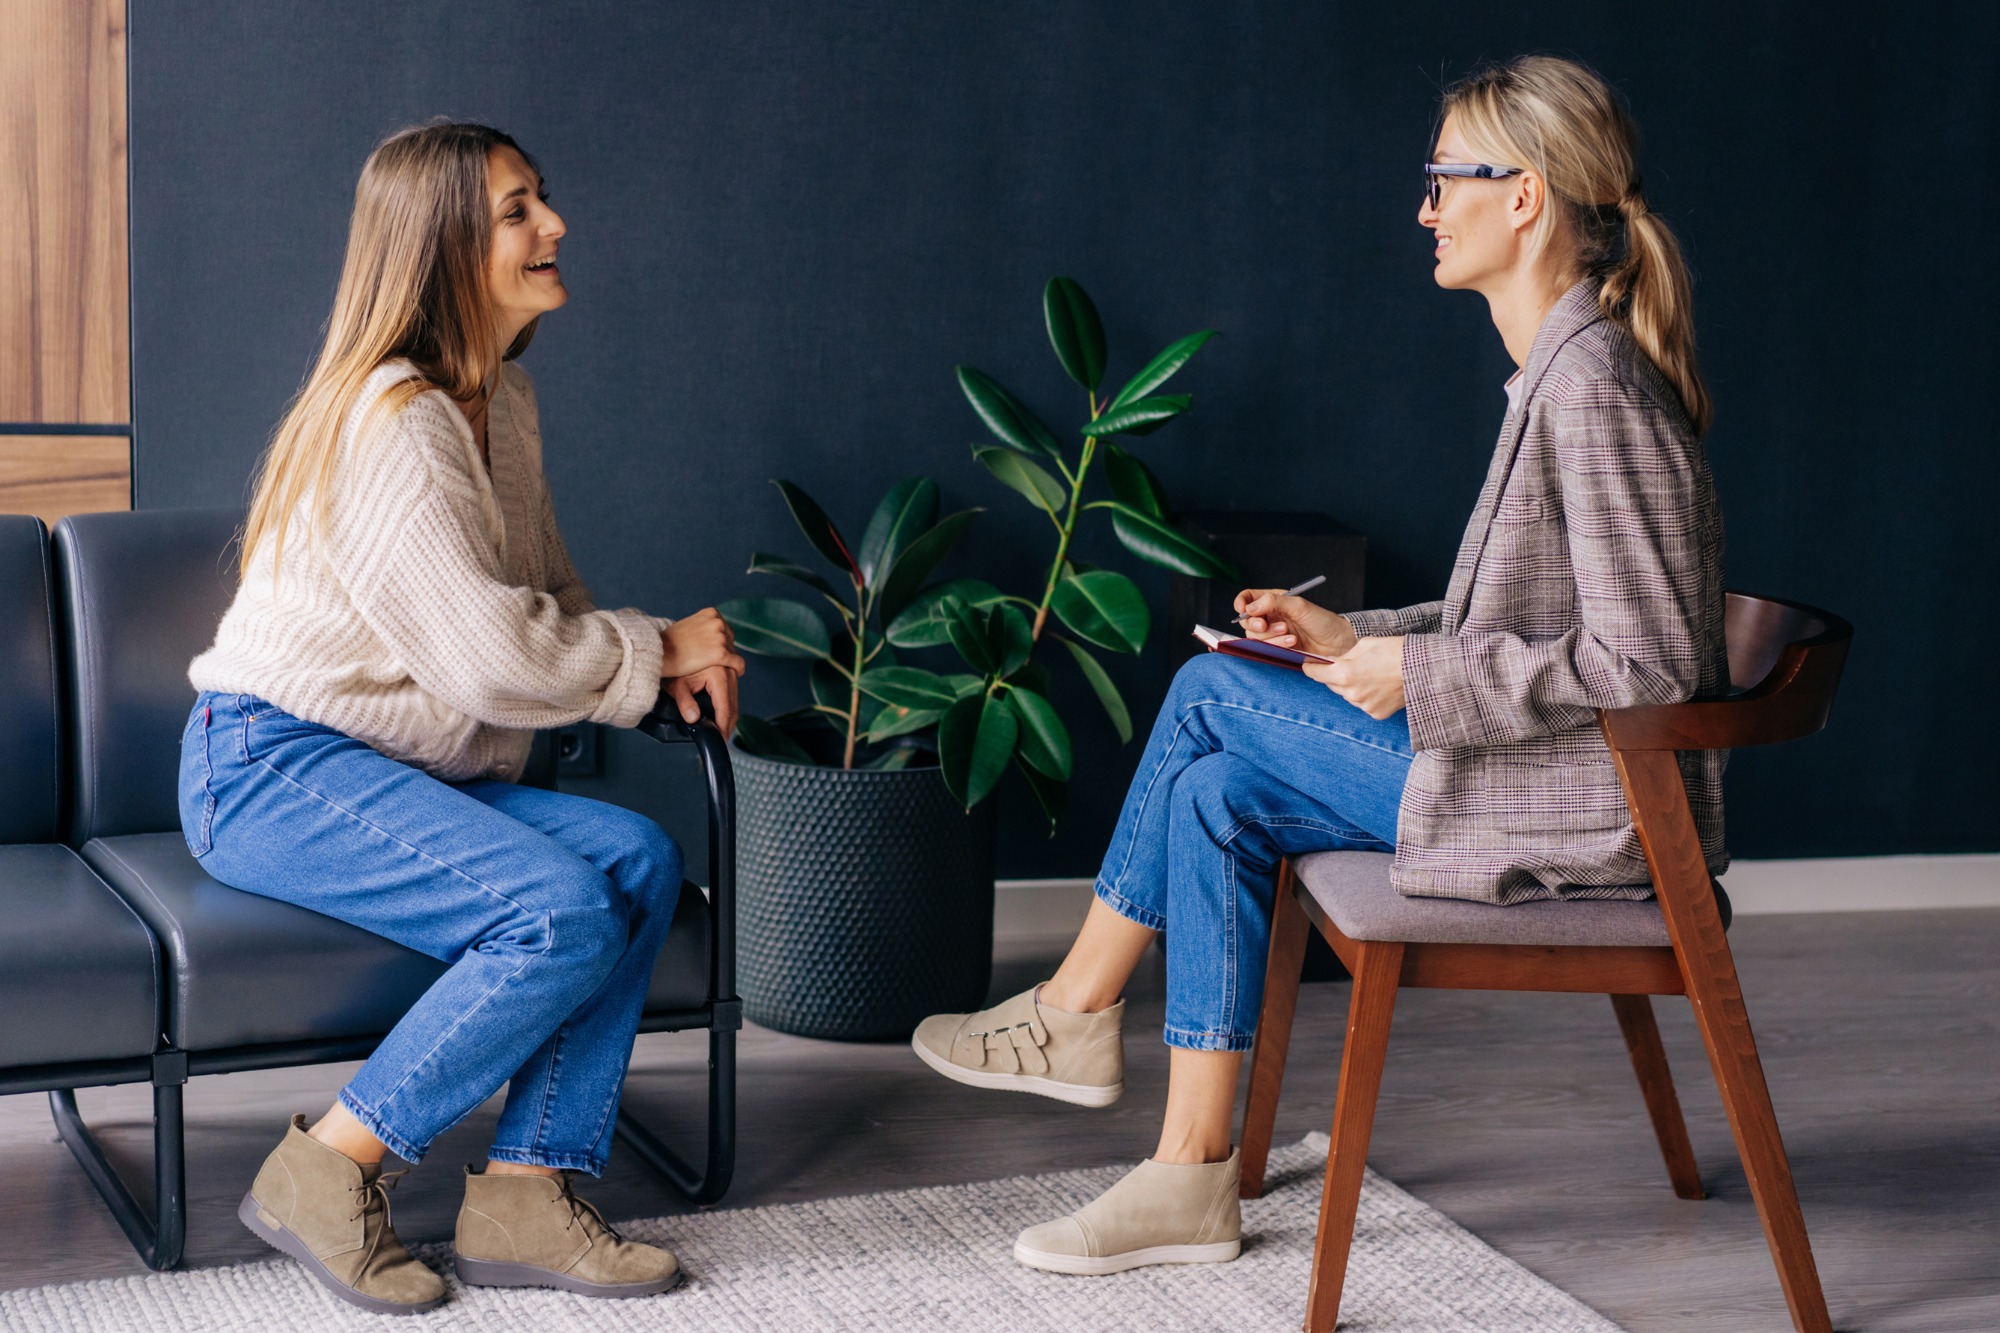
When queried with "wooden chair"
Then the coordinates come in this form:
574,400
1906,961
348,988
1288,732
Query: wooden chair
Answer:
1784,662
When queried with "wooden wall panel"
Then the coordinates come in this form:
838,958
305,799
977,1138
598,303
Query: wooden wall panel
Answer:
64,321
53,475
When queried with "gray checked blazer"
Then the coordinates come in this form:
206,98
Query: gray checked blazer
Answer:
1590,577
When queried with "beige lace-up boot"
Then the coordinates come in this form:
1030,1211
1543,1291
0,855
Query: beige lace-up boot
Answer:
331,1214
1162,1213
531,1231
1022,1045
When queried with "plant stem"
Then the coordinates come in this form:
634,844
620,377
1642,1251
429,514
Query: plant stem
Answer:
1068,530
854,690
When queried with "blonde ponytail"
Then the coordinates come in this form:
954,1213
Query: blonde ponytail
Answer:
1562,121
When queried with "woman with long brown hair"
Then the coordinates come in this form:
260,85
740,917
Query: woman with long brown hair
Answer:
407,616
1460,733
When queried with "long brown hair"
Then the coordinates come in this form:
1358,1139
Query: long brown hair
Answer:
1562,121
413,286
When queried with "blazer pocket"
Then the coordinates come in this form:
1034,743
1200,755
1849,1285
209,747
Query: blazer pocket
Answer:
1517,511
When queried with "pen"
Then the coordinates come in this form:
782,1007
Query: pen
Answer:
1307,586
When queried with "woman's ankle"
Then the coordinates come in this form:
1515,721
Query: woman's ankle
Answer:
494,1168
1078,1000
340,1131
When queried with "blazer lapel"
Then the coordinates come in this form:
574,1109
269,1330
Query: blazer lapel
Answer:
1576,310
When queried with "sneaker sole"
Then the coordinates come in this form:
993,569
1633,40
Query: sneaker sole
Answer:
1077,1094
497,1273
275,1235
1087,1265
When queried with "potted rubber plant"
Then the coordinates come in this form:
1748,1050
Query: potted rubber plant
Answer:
866,841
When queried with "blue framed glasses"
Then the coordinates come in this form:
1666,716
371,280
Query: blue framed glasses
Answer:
1435,173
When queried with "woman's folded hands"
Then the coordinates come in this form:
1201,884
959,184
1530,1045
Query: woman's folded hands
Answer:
698,656
1368,673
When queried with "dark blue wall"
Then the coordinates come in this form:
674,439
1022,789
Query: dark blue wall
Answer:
789,221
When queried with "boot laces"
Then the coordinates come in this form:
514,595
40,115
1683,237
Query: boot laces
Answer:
579,1208
374,1195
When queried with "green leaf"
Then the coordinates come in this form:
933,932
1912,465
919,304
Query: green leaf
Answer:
1162,367
1141,417
777,627
892,760
1075,331
1107,693
894,721
916,563
762,563
918,625
966,684
909,687
908,510
756,736
1024,475
975,740
1150,539
1015,639
818,528
1032,676
1013,424
1051,795
1134,483
966,628
1044,739
1105,608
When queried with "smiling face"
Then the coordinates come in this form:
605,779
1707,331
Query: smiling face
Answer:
521,272
1483,227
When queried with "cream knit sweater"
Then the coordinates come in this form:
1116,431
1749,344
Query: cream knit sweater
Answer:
437,616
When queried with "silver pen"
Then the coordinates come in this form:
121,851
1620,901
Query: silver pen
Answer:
1307,586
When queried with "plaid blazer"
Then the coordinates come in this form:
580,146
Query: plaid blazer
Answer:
1590,577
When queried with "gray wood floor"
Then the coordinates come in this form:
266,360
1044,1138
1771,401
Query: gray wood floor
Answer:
1515,1114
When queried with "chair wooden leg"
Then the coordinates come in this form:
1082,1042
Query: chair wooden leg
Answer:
1659,801
1373,1003
1290,930
1656,1084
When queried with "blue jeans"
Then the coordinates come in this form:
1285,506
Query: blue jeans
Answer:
550,910
1247,764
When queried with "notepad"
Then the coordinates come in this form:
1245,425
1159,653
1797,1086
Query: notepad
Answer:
1256,650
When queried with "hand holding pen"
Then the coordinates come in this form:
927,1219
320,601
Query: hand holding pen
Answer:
1307,586
1282,618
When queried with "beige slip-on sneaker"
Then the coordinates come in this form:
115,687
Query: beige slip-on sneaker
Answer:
1161,1213
1022,1045
531,1231
331,1214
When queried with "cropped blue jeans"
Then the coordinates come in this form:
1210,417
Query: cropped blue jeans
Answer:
1247,764
550,910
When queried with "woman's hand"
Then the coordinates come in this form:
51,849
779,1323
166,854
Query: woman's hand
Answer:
719,684
1368,675
1293,622
696,643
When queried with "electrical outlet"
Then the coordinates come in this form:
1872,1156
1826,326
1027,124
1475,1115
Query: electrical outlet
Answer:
579,750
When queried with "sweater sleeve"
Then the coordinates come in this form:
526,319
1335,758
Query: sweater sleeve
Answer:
411,544
1630,510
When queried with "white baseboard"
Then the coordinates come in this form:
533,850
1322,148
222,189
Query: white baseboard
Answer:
1037,908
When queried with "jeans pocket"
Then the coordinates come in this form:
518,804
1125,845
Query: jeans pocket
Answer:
197,780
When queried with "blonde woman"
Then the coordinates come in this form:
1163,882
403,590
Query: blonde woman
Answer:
1461,733
406,617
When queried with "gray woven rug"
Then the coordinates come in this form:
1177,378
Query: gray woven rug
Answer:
929,1261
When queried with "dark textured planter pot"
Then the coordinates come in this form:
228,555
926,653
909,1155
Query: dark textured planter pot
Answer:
864,900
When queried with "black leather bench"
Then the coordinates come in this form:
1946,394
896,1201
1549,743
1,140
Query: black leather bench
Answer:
167,973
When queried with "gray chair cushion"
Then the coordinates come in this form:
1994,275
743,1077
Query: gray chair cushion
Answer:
79,973
27,684
1353,889
141,595
243,970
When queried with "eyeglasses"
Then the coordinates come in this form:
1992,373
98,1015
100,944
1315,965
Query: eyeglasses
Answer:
1435,172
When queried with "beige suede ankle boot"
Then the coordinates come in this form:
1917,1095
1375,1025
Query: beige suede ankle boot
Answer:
1022,1045
531,1231
1162,1213
331,1214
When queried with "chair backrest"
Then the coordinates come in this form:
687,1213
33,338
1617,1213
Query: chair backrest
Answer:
140,595
30,738
1785,657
